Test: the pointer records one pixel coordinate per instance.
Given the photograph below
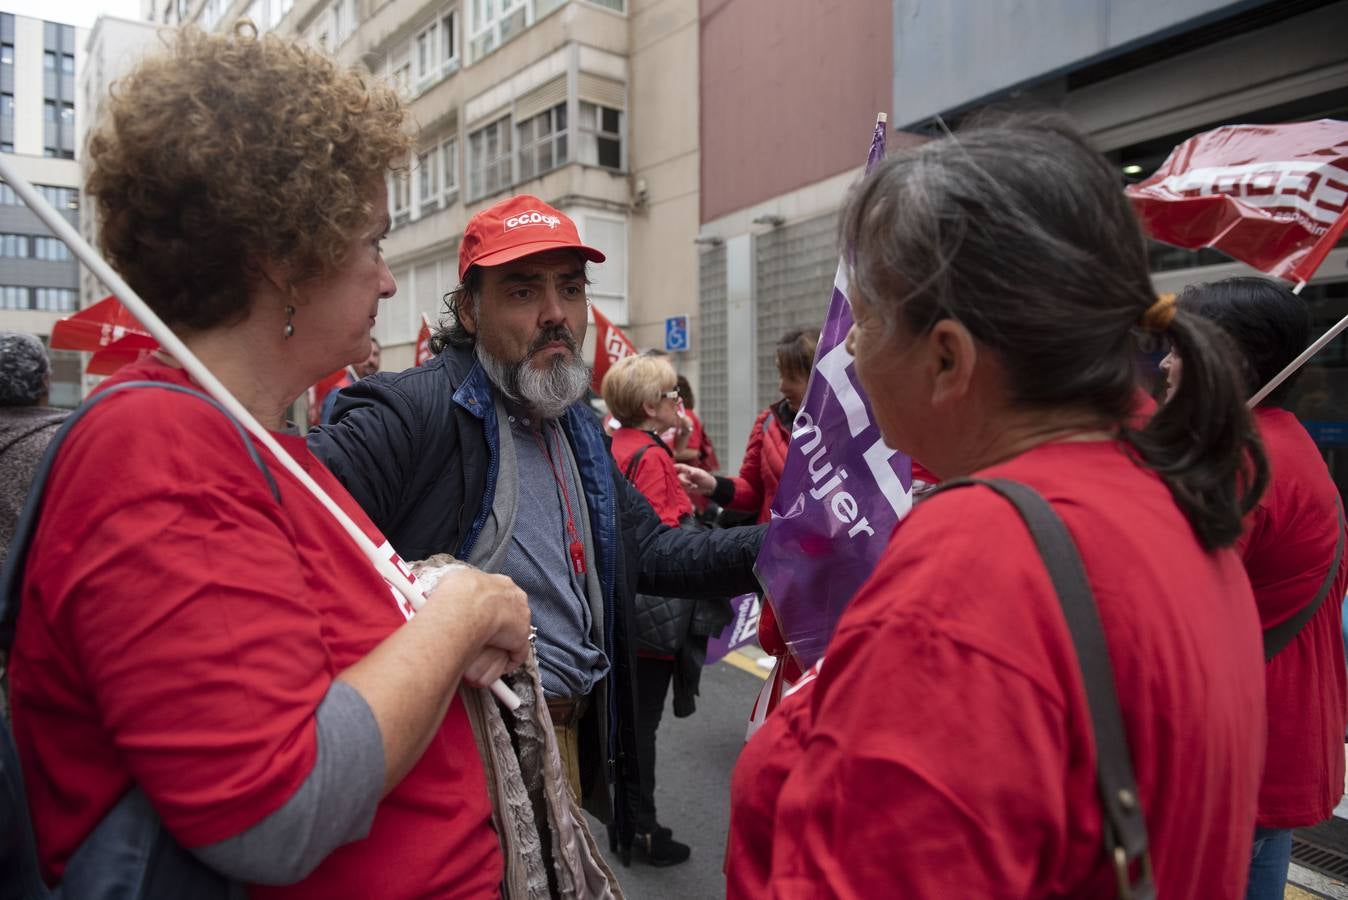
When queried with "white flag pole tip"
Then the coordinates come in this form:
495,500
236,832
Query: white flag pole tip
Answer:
194,367
1298,362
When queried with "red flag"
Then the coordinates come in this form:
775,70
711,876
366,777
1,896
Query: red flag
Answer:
326,385
1272,196
610,345
108,331
423,351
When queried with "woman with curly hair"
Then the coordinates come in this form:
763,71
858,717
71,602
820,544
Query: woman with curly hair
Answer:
194,626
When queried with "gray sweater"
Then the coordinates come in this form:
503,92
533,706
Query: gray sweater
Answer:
24,434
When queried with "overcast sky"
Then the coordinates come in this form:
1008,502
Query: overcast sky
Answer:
80,13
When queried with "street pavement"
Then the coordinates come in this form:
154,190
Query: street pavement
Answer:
694,758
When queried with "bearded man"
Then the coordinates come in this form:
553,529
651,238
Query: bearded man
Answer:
490,452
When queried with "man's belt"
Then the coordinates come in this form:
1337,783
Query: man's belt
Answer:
566,711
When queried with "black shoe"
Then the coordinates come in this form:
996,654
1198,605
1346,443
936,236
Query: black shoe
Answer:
660,849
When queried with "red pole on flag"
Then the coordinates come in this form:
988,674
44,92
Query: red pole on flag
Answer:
423,350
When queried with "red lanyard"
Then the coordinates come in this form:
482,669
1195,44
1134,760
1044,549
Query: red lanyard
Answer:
577,548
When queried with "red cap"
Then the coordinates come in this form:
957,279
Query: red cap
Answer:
517,227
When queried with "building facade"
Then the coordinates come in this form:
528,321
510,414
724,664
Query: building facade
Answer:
39,278
590,105
1139,76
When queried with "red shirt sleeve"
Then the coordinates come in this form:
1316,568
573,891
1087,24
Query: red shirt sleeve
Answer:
171,586
749,482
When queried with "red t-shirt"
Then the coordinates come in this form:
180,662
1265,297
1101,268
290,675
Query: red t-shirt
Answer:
761,469
946,748
1288,547
655,475
700,441
178,631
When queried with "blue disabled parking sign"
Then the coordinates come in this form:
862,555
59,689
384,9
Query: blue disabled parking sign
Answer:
676,334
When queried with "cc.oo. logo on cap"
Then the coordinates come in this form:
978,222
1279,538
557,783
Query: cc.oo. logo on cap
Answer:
532,217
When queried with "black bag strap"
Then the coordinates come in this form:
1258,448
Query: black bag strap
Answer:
1124,826
1280,635
11,579
630,473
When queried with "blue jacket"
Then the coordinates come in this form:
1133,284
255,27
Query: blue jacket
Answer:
418,450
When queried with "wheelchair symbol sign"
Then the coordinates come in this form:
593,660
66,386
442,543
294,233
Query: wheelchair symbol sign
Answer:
676,334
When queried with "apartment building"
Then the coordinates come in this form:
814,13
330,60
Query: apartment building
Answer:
39,278
590,105
1138,76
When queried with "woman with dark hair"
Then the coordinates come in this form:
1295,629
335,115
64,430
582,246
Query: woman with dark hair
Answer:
196,630
1292,549
760,472
946,746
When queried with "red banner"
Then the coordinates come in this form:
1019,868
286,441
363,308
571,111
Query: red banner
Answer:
423,351
610,345
1272,196
329,383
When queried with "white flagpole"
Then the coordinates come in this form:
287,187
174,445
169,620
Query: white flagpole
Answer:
1301,360
178,350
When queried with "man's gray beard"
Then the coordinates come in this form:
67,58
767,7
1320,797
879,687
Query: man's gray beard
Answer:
547,392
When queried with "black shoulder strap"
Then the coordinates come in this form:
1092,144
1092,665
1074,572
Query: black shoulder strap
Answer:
11,579
1280,635
631,471
1125,828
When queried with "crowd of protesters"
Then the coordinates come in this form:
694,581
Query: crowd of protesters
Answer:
202,665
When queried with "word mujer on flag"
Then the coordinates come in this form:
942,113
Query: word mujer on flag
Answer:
842,490
1272,196
610,345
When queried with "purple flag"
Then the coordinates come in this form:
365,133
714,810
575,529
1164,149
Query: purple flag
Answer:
842,490
743,628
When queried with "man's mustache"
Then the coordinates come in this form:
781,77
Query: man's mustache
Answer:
555,333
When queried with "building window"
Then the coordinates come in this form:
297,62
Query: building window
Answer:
51,249
7,123
14,246
449,171
489,159
610,4
542,142
343,14
600,139
609,235
399,197
493,22
15,297
436,50
64,198
58,129
7,196
55,299
428,181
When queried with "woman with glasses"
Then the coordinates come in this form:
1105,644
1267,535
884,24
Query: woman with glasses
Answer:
642,394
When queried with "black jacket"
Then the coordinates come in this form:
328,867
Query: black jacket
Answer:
418,452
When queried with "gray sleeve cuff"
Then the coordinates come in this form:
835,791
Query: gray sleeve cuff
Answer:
334,806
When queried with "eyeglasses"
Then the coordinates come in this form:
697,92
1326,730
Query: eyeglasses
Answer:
672,394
